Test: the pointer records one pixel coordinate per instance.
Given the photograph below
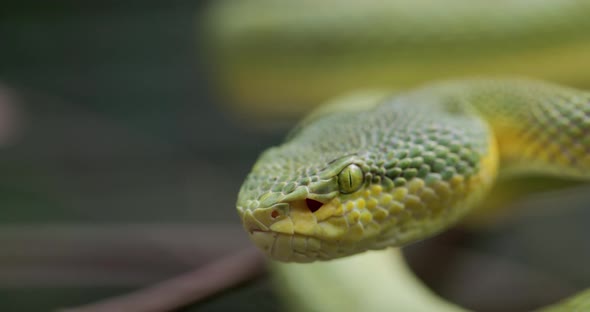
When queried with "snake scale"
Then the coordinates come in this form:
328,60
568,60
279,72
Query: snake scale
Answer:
385,169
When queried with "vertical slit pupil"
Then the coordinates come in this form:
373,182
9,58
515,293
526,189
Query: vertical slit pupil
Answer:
313,205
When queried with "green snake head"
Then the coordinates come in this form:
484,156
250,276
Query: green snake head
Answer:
350,181
300,215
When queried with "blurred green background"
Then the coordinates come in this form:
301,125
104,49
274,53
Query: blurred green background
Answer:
121,164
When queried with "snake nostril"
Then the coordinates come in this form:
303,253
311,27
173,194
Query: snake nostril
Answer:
274,214
313,205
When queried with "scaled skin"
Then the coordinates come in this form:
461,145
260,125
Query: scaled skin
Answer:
421,160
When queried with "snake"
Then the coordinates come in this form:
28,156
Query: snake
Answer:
379,171
371,172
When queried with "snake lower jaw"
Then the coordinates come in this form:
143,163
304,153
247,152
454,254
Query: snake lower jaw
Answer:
300,248
280,247
295,247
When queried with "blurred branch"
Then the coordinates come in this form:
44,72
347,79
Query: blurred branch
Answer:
109,255
187,288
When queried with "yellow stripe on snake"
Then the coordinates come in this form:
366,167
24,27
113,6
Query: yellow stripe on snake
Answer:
379,170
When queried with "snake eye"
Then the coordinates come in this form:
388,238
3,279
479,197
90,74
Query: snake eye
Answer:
350,179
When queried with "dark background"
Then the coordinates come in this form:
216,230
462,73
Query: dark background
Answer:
124,169
123,163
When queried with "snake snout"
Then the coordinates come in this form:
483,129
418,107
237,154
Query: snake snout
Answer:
295,217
